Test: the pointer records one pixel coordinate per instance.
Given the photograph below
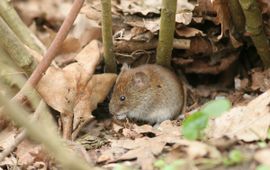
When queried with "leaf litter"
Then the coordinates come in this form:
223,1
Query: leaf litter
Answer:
73,88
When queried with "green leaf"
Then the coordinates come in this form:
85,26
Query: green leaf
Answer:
175,165
235,157
263,167
268,134
121,167
194,124
262,144
159,163
216,107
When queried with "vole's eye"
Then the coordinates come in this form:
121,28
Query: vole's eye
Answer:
122,98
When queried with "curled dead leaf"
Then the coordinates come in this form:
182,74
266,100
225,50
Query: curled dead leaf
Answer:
73,91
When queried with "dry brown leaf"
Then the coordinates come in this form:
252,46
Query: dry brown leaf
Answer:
144,149
92,10
260,79
27,153
10,161
189,32
85,29
52,10
145,129
133,7
184,8
96,91
202,67
73,91
7,136
265,5
248,123
184,18
70,45
223,16
58,88
152,24
262,156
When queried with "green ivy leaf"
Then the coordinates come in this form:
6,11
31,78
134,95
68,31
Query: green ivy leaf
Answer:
216,107
194,124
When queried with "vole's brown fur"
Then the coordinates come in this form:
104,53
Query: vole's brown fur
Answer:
149,93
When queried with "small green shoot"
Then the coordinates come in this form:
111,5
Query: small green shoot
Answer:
194,124
235,157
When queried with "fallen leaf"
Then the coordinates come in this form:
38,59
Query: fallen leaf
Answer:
189,32
73,91
223,16
184,18
70,45
86,29
10,161
264,4
145,149
7,136
262,156
27,153
96,91
260,79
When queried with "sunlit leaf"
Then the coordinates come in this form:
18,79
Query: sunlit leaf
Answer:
235,157
216,107
194,124
263,167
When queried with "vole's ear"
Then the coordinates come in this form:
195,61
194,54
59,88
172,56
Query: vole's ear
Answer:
124,67
141,79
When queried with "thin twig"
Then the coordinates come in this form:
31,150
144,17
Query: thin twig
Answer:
52,51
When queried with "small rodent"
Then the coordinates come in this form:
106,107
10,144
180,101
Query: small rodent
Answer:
148,93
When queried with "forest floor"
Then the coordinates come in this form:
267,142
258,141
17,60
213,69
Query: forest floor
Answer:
212,58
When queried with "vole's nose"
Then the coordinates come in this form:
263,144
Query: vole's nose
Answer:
120,116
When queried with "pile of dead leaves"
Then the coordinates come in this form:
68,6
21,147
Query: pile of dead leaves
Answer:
206,48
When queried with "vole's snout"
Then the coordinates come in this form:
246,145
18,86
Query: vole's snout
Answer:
120,116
